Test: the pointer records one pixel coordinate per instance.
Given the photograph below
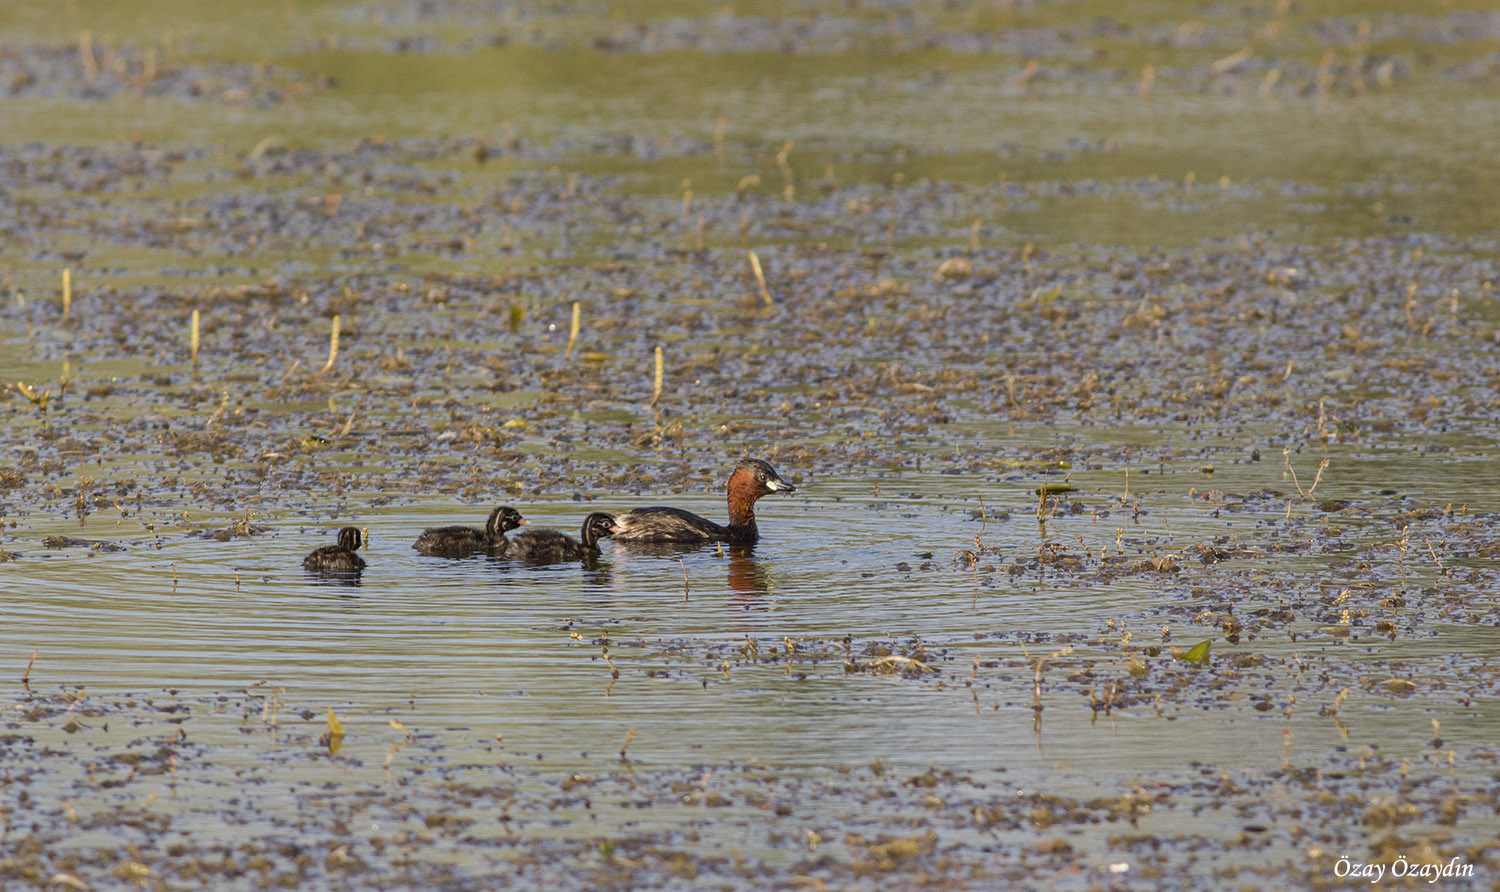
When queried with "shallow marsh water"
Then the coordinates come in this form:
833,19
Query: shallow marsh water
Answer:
1164,292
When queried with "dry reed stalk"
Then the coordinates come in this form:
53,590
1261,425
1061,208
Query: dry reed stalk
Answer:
781,160
86,57
760,278
333,348
657,378
1268,84
573,331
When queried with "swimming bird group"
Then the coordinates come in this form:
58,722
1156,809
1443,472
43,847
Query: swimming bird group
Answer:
750,480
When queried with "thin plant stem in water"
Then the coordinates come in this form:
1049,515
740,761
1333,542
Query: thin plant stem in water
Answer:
333,348
1322,466
760,278
657,378
86,56
193,339
573,330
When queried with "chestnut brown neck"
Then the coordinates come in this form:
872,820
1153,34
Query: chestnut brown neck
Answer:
743,491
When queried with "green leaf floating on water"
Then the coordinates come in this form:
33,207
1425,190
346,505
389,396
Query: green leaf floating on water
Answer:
1052,489
1198,653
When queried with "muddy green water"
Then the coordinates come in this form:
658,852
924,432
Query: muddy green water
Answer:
331,147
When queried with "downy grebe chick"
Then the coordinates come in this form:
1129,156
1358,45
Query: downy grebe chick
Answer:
553,547
464,541
752,478
340,558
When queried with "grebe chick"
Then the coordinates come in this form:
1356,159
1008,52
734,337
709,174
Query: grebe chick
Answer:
340,558
752,478
553,547
464,541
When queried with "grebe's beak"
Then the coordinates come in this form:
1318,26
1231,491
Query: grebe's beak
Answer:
776,484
